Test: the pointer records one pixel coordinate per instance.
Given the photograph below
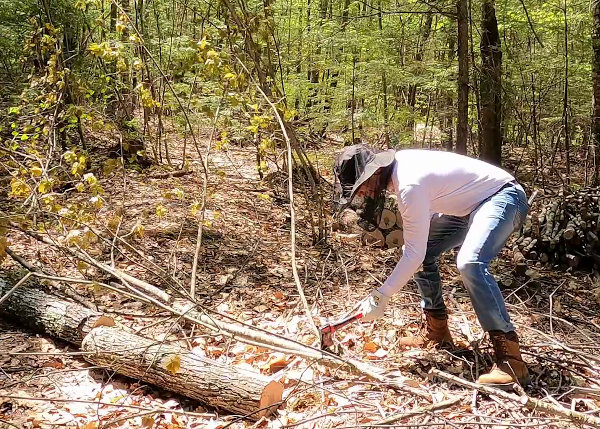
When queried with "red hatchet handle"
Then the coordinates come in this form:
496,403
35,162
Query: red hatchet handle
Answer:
332,327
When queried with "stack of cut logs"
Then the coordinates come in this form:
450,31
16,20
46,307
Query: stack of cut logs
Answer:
389,231
564,231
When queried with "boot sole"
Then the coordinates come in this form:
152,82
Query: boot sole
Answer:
507,386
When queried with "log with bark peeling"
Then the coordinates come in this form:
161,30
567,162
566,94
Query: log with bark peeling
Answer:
174,368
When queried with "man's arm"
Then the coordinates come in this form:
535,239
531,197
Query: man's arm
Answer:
413,204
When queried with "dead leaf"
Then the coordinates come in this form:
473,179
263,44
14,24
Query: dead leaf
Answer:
381,353
278,295
147,422
104,321
412,383
55,363
173,364
90,425
557,306
370,347
276,363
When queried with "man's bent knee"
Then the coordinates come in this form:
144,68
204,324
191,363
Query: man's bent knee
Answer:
469,268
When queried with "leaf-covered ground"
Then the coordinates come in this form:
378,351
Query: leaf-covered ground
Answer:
245,272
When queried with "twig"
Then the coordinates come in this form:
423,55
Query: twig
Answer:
292,208
15,287
179,173
531,24
108,404
422,410
551,305
203,200
524,400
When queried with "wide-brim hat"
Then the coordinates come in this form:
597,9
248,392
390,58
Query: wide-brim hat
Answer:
353,167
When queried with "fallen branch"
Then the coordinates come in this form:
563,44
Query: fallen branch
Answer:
292,208
524,400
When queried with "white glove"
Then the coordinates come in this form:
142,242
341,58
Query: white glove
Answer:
373,306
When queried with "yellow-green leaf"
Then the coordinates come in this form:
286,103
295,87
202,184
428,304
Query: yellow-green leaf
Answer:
36,171
138,229
161,210
45,186
173,364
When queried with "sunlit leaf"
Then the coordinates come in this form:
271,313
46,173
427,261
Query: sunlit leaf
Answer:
173,364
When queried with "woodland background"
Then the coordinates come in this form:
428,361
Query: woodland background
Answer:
182,149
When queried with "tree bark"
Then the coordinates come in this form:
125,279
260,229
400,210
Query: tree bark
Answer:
220,386
596,91
412,89
463,76
490,87
43,312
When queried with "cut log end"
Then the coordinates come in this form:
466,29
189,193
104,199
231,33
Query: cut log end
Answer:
388,219
395,239
373,238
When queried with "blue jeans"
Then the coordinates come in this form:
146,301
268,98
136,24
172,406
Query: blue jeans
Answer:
481,236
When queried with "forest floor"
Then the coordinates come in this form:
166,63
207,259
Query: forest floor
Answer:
245,272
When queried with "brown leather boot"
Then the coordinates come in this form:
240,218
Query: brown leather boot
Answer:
509,367
436,332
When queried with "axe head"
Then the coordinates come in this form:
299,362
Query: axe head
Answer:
329,329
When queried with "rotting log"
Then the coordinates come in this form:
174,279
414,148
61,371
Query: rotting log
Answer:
47,313
224,387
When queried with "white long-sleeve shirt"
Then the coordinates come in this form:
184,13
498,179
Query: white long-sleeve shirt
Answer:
428,182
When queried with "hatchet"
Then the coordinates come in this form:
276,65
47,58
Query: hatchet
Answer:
328,330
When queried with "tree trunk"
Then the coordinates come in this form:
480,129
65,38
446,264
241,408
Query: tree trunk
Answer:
412,89
596,91
176,369
566,114
490,87
463,77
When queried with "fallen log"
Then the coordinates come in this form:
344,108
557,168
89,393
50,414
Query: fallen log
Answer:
212,383
174,368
